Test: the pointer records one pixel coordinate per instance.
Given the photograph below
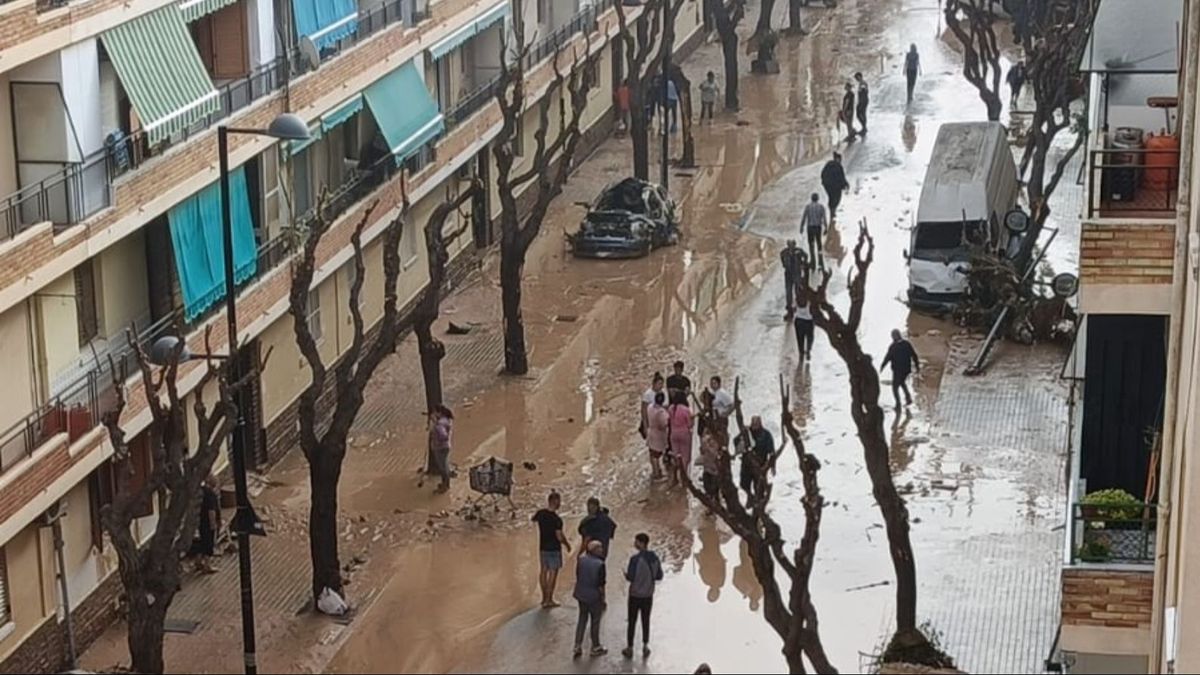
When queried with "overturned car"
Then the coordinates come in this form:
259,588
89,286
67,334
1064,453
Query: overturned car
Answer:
628,220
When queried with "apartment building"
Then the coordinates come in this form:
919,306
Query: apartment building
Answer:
109,209
1122,414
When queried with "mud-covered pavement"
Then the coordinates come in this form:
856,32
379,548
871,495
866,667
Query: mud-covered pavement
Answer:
980,460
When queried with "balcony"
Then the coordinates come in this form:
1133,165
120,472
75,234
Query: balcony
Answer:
1113,534
1133,183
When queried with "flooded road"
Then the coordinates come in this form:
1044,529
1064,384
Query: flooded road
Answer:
980,460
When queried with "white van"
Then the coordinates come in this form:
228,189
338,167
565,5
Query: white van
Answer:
970,187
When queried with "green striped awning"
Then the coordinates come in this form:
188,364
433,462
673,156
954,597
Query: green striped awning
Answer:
194,9
160,69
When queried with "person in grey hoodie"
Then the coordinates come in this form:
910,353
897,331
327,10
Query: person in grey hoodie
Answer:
644,571
589,592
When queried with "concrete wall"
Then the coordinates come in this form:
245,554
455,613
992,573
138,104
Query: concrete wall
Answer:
121,285
29,562
58,325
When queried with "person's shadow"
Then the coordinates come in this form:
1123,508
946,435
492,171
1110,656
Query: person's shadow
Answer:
744,579
710,559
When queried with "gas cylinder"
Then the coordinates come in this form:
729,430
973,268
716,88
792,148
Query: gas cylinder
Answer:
1162,167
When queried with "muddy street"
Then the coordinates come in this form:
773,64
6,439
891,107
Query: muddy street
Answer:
978,459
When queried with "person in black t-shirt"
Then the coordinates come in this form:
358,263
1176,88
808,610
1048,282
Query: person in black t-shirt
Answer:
596,526
551,541
903,358
679,387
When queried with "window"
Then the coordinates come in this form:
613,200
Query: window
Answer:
351,275
408,246
221,39
273,207
85,303
314,315
5,610
519,139
543,9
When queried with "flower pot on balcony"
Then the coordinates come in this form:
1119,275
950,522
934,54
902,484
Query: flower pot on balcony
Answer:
79,421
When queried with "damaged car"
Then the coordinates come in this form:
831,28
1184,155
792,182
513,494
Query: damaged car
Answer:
629,219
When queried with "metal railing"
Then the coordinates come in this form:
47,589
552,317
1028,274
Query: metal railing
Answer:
586,20
47,5
1124,181
472,103
68,196
82,403
407,12
1113,533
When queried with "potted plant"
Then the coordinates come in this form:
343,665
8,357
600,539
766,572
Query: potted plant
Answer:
1116,525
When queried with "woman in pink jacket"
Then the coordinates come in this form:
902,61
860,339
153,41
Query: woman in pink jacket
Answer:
657,430
681,440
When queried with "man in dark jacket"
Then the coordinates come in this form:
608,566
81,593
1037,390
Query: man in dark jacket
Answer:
590,581
861,106
903,358
596,526
756,456
644,571
833,179
795,268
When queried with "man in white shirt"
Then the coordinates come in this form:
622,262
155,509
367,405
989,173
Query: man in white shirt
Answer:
720,401
804,327
656,386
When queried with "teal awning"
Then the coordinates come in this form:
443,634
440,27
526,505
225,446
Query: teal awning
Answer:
342,113
480,24
405,112
325,21
195,9
197,237
161,70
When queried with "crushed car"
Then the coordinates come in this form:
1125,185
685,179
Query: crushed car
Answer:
629,219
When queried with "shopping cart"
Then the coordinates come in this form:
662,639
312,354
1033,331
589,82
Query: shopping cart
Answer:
493,480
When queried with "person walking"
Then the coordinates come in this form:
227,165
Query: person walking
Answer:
792,260
861,106
720,402
803,324
590,580
680,437
658,427
204,545
596,526
643,572
756,455
672,110
846,115
1016,80
709,91
440,430
903,358
679,386
551,542
912,67
813,222
623,98
833,179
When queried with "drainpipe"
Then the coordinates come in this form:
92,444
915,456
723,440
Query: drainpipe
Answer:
53,518
1174,428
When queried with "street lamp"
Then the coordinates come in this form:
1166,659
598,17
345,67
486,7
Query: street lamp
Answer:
286,127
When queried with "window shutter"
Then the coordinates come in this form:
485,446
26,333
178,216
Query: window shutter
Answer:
139,457
202,36
230,51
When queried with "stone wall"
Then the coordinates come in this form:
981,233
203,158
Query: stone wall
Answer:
1107,598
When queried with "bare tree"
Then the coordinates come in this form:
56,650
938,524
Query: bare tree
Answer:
639,65
792,615
547,170
908,644
437,249
323,435
973,24
766,13
794,26
727,14
149,571
1054,40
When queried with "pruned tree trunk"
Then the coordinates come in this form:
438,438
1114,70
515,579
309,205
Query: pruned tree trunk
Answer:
549,165
688,159
727,16
973,23
642,60
149,571
324,473
794,26
792,616
868,420
766,13
639,135
431,349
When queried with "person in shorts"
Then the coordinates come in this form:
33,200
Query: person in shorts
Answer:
551,541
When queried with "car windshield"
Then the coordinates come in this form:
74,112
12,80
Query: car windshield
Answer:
628,195
938,237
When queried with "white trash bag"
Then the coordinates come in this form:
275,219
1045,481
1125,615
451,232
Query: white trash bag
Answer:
329,602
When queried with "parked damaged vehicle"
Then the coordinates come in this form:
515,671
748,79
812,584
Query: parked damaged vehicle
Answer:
629,219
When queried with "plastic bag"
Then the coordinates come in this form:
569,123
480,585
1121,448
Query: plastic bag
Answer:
329,602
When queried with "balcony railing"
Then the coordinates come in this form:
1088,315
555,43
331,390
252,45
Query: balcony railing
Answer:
82,404
1113,533
585,20
1133,182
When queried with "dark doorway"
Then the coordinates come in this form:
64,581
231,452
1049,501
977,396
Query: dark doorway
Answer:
1124,386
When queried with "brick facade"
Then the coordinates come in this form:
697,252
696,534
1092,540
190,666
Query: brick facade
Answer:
1107,598
45,651
1141,253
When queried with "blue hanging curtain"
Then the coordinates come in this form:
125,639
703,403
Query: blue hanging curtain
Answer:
325,21
197,236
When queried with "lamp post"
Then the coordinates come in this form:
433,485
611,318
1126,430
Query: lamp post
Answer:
245,522
285,127
668,37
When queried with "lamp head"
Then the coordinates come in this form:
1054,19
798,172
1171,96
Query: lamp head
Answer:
163,351
289,127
